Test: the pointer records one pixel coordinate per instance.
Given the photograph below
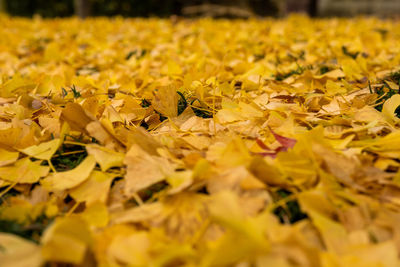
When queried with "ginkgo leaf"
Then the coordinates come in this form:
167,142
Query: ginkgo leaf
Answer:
266,172
166,101
333,233
69,179
390,108
10,137
66,240
98,131
144,139
180,218
144,170
53,52
333,88
106,158
250,111
43,150
334,74
94,189
381,254
200,142
179,181
225,209
96,215
294,164
131,249
7,157
172,68
228,115
286,142
20,212
24,171
19,252
144,212
10,88
76,116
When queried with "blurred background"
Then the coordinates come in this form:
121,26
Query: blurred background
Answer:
193,8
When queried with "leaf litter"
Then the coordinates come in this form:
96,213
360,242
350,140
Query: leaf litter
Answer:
152,142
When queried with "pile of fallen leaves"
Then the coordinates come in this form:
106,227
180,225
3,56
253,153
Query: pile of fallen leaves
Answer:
149,142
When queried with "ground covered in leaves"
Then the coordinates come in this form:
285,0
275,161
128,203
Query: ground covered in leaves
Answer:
148,142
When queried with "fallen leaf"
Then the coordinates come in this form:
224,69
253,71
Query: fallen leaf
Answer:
106,158
144,170
19,252
166,101
24,171
44,150
94,189
66,240
69,179
389,108
7,157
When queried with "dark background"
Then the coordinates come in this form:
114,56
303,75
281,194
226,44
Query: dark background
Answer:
159,8
193,8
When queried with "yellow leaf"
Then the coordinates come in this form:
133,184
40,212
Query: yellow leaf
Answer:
43,150
166,101
333,74
249,111
66,240
368,114
16,84
10,137
19,211
53,52
144,139
7,157
106,158
131,249
252,82
96,215
294,164
24,171
137,214
320,209
333,233
382,254
76,117
18,252
179,181
243,236
234,153
112,115
392,85
351,69
144,170
103,135
390,106
72,178
228,115
173,68
94,189
198,141
333,88
51,210
266,172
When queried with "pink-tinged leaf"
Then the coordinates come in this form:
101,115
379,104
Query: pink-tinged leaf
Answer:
262,145
281,149
286,142
272,154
